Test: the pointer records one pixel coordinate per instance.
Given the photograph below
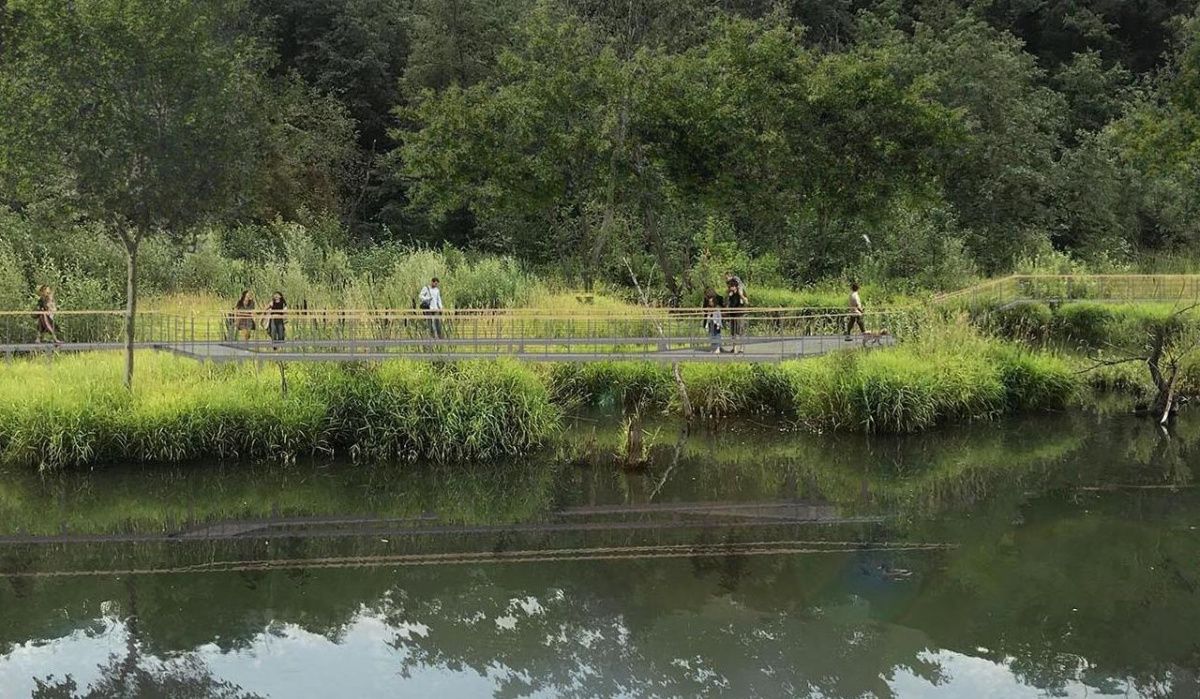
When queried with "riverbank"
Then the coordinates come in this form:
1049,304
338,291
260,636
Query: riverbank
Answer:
74,412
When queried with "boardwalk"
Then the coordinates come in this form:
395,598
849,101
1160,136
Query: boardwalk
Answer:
657,335
587,334
619,349
759,350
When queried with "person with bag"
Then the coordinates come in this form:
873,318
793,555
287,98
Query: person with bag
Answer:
431,304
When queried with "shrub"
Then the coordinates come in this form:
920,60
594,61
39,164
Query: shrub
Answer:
1085,324
1025,322
491,282
15,291
1034,381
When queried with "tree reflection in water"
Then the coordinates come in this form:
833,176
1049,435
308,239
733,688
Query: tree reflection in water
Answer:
1073,565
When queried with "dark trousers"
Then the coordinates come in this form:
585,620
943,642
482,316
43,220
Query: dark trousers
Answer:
435,324
855,320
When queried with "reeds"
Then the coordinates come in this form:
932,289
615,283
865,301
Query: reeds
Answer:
947,374
75,412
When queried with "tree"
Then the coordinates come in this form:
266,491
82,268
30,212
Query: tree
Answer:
998,178
309,155
352,49
1158,137
1095,93
1135,34
141,115
528,152
573,146
456,42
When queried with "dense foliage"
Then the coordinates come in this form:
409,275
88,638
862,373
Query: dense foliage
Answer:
925,140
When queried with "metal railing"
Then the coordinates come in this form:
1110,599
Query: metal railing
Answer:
586,332
350,334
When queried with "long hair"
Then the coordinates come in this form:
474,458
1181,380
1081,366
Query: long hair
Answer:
243,300
282,298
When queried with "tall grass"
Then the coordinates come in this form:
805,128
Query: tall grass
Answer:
1080,325
946,374
75,411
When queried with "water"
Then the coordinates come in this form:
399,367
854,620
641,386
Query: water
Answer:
1051,556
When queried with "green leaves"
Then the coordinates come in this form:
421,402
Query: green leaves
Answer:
751,124
147,108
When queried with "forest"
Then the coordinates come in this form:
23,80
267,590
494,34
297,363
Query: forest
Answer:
917,144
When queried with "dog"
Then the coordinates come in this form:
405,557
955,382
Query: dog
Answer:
875,338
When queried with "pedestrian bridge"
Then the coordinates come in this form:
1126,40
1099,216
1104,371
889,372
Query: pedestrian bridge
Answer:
341,335
584,334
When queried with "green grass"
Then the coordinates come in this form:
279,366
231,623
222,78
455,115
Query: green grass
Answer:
1086,326
948,374
75,412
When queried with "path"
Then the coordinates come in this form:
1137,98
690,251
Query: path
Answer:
758,350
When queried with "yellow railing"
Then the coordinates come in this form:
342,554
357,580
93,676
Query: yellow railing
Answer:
337,326
584,323
1116,288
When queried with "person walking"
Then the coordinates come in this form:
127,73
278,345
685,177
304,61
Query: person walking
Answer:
855,316
431,303
243,316
276,323
46,309
712,318
734,316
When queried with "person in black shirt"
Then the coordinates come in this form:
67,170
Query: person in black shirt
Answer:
713,319
276,328
735,302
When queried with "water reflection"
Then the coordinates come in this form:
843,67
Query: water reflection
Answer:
1059,556
914,477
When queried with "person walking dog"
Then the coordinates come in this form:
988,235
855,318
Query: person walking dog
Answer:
855,316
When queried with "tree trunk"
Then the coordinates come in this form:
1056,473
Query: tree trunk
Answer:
1164,401
131,280
685,403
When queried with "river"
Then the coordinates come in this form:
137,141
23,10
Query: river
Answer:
1046,556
